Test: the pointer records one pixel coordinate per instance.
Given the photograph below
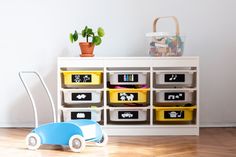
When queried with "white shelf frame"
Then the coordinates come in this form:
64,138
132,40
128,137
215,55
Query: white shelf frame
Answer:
133,62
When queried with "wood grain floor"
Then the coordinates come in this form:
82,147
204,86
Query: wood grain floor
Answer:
212,142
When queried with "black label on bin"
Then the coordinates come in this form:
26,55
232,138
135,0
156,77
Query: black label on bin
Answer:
127,114
81,78
174,77
127,96
173,114
81,96
127,77
169,96
80,115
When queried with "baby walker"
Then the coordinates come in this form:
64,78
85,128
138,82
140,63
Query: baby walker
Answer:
74,133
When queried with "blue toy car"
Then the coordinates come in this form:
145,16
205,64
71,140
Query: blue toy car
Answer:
72,133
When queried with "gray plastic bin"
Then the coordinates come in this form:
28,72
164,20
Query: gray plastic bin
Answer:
126,78
184,79
167,96
128,115
76,96
73,114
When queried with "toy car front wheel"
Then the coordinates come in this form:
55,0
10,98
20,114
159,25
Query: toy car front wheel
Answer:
103,141
33,141
77,143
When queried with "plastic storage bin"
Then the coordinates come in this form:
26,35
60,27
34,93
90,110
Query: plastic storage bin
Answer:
168,96
174,113
128,115
82,77
76,96
73,114
126,78
174,78
128,95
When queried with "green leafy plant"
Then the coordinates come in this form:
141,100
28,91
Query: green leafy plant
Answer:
88,33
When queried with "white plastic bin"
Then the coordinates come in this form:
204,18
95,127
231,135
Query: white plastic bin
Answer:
128,115
76,96
167,96
174,78
126,78
73,114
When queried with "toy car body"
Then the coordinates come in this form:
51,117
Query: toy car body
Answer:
72,133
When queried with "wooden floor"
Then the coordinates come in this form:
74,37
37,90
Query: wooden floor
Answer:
212,142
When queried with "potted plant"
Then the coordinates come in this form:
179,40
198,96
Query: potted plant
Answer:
92,39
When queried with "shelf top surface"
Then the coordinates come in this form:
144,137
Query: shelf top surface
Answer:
129,58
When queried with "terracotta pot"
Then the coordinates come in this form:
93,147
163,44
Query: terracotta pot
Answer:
86,49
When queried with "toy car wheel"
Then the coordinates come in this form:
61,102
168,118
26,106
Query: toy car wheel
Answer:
33,141
77,143
103,141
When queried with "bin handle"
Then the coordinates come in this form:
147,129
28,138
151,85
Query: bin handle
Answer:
173,17
31,96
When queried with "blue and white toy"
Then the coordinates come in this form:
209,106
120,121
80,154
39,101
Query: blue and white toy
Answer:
73,133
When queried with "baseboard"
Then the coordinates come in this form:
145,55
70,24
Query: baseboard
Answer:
30,125
18,125
14,125
216,125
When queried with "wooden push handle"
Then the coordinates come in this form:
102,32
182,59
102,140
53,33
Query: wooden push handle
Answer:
173,17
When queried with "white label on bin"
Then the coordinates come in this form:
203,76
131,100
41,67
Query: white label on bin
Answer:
174,77
81,96
81,78
174,96
127,77
89,131
80,115
128,114
173,114
127,96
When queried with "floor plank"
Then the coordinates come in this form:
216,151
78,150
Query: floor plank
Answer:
212,142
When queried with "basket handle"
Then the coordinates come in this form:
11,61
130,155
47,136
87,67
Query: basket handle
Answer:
173,17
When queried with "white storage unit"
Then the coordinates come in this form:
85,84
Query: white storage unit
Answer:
128,115
167,96
126,78
78,96
78,113
183,73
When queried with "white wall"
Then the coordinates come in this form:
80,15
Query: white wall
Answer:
33,33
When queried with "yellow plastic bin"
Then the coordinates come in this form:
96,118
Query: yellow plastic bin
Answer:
128,95
174,113
82,78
